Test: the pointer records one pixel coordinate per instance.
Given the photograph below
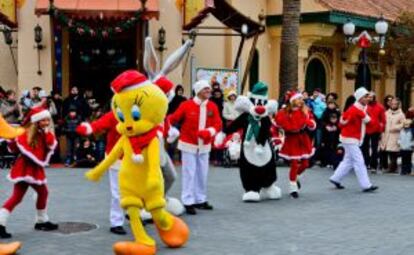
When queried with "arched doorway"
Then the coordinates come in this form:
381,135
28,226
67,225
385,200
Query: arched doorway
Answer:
254,70
359,81
403,88
315,76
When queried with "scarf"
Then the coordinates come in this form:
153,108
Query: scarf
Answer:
140,142
254,128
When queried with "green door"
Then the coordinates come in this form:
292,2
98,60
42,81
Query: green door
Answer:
315,76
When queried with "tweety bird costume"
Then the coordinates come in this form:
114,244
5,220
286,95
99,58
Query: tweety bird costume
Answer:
140,107
9,132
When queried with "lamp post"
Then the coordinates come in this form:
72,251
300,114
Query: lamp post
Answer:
38,37
364,41
8,39
162,39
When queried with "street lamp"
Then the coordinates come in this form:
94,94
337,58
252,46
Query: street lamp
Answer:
364,40
162,39
8,38
38,37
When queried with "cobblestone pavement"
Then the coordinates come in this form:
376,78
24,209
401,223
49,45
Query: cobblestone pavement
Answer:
321,221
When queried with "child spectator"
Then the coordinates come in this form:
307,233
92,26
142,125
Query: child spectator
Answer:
71,122
10,108
85,156
330,141
406,145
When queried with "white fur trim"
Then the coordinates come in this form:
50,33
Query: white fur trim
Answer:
202,119
40,116
212,131
136,86
174,206
304,156
295,96
28,179
219,139
34,158
137,158
251,196
41,216
173,134
293,187
4,216
366,119
193,148
313,126
88,126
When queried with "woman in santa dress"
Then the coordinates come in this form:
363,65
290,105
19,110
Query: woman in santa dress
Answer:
295,120
36,145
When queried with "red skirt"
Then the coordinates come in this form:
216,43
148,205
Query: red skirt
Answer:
297,146
24,170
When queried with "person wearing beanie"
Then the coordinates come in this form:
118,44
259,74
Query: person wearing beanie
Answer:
36,145
200,121
295,120
352,124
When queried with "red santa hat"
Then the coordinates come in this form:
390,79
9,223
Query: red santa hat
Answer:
36,114
294,95
129,80
164,84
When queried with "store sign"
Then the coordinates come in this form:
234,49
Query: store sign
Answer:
194,9
8,12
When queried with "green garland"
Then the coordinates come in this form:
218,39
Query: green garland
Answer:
80,28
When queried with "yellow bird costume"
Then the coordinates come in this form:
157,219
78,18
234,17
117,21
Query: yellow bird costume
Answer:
140,107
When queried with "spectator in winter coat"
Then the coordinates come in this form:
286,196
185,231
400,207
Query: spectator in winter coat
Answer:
72,138
389,142
387,101
330,141
374,129
406,143
9,108
177,99
85,155
229,109
77,102
332,108
318,107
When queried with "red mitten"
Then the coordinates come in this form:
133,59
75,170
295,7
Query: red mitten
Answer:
84,129
205,135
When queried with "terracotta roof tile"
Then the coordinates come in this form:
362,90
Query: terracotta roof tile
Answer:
372,8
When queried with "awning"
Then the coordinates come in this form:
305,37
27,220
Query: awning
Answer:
97,8
8,13
228,15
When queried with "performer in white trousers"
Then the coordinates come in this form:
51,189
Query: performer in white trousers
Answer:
116,215
200,121
352,125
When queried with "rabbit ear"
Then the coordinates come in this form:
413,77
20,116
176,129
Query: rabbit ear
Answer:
175,59
151,64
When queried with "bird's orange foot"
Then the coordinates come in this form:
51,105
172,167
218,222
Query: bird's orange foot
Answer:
177,236
10,248
132,248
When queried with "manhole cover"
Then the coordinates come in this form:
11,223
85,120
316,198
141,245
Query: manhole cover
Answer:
68,228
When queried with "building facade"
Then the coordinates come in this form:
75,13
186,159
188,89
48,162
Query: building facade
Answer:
68,57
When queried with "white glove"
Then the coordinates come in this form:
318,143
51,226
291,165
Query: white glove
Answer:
173,134
219,139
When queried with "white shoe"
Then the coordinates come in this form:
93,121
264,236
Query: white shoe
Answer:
145,216
174,206
251,196
273,192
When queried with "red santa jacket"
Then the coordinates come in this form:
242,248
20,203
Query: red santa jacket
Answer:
29,166
377,114
352,124
200,121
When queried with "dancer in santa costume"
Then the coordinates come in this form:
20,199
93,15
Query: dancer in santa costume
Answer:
257,160
200,121
36,145
107,124
352,124
295,120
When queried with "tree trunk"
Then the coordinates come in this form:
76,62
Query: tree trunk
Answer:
288,72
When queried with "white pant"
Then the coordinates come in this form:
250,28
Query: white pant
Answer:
116,216
194,177
353,159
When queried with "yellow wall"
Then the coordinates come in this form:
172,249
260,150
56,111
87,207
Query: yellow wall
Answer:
8,76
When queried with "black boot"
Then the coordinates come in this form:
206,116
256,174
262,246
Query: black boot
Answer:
46,226
204,206
294,194
299,184
337,184
189,209
370,189
118,230
3,233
